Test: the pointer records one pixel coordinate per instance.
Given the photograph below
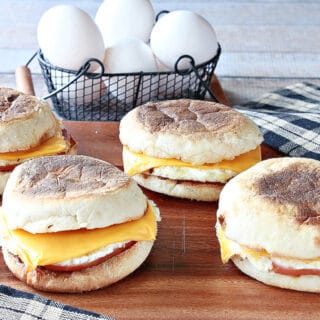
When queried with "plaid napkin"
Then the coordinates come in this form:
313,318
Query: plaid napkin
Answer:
289,119
15,304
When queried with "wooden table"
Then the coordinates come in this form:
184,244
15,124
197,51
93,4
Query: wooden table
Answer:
266,44
183,278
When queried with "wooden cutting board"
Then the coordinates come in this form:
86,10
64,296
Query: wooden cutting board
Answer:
183,278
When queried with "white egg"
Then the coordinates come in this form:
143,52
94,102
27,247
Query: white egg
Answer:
68,37
84,91
127,56
170,86
160,66
118,19
183,33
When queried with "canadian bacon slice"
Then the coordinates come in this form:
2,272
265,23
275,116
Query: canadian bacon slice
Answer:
294,272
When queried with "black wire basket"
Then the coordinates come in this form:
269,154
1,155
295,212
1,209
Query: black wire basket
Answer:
81,95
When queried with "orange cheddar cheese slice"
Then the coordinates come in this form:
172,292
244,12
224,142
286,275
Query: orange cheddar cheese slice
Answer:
49,248
52,146
135,163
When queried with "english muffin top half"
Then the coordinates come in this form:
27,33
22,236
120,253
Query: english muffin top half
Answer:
274,206
25,121
193,131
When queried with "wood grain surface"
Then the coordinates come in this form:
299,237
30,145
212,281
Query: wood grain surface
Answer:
266,44
183,278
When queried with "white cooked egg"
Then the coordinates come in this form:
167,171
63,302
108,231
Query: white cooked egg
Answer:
92,256
118,19
105,250
68,37
180,33
297,264
264,261
186,173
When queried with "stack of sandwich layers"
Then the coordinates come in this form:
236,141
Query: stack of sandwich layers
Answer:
268,223
28,129
188,148
72,223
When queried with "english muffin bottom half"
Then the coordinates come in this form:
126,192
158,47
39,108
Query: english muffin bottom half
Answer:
74,223
268,223
187,148
28,129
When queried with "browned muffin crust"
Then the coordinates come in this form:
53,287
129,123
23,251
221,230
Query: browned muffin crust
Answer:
188,117
296,185
69,176
16,105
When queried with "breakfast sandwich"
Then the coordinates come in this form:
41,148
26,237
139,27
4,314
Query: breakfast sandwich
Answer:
268,223
73,223
28,129
187,148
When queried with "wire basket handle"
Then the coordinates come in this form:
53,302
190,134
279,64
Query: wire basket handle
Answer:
192,68
161,13
82,71
24,81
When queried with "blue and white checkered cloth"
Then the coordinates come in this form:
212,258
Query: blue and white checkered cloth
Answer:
15,304
289,119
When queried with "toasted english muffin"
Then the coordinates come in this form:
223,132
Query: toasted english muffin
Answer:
268,222
187,135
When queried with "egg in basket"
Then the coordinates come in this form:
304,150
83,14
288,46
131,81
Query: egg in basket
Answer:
100,69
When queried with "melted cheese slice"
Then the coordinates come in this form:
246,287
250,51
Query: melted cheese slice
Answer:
135,163
50,248
54,145
229,248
